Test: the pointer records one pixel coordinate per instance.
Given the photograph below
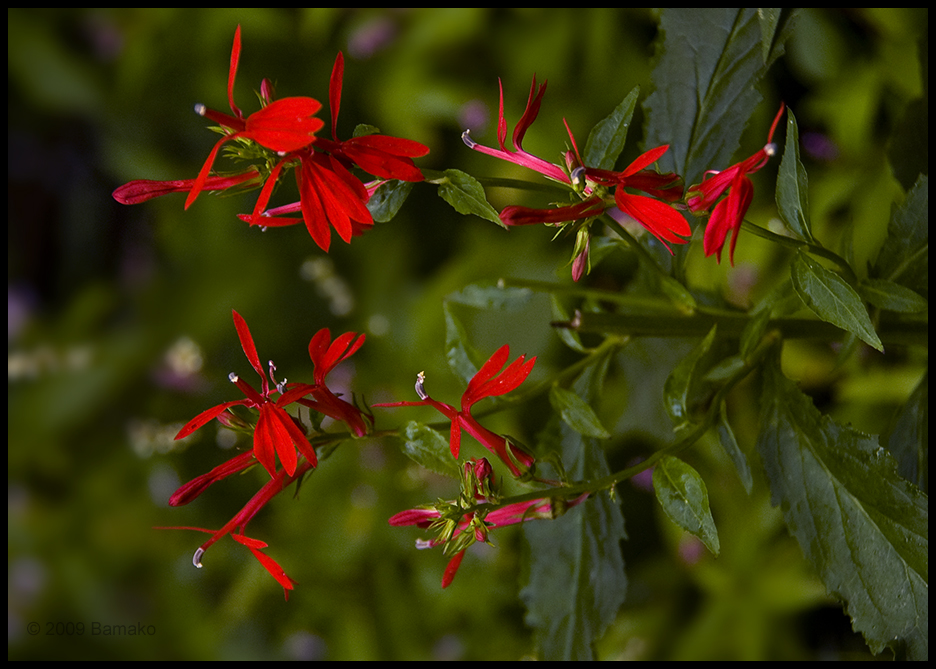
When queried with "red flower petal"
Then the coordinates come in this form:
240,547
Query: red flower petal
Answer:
285,125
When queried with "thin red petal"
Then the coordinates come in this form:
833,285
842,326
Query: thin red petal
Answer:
285,125
285,440
455,436
265,442
232,72
202,177
247,343
249,542
334,92
205,417
313,213
274,569
489,369
530,113
452,569
265,193
644,160
658,218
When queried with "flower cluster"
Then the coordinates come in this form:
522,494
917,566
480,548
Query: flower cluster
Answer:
460,523
282,134
486,383
592,185
276,434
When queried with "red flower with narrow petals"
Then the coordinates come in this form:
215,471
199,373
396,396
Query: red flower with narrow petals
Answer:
326,355
657,216
472,526
280,481
283,133
330,195
486,383
283,126
729,213
276,434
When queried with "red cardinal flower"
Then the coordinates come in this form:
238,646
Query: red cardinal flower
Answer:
330,195
486,383
456,535
326,355
283,126
518,155
280,481
282,135
276,433
664,222
729,213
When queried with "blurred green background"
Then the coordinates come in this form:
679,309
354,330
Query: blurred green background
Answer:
119,331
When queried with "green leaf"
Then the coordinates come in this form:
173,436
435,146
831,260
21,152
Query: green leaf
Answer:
576,413
606,140
429,449
891,296
908,436
458,352
707,65
683,496
769,19
683,378
466,195
831,299
792,185
569,336
573,575
863,527
904,257
387,200
730,445
491,296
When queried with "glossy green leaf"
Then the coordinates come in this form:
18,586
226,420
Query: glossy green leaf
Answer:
792,185
387,200
576,413
891,296
718,54
863,527
831,299
683,496
904,257
466,195
573,576
429,449
607,138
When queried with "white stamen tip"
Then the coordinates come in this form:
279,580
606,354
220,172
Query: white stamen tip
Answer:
420,380
771,149
196,559
200,109
467,139
233,378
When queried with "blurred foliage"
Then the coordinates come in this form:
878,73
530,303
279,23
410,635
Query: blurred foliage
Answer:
107,304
